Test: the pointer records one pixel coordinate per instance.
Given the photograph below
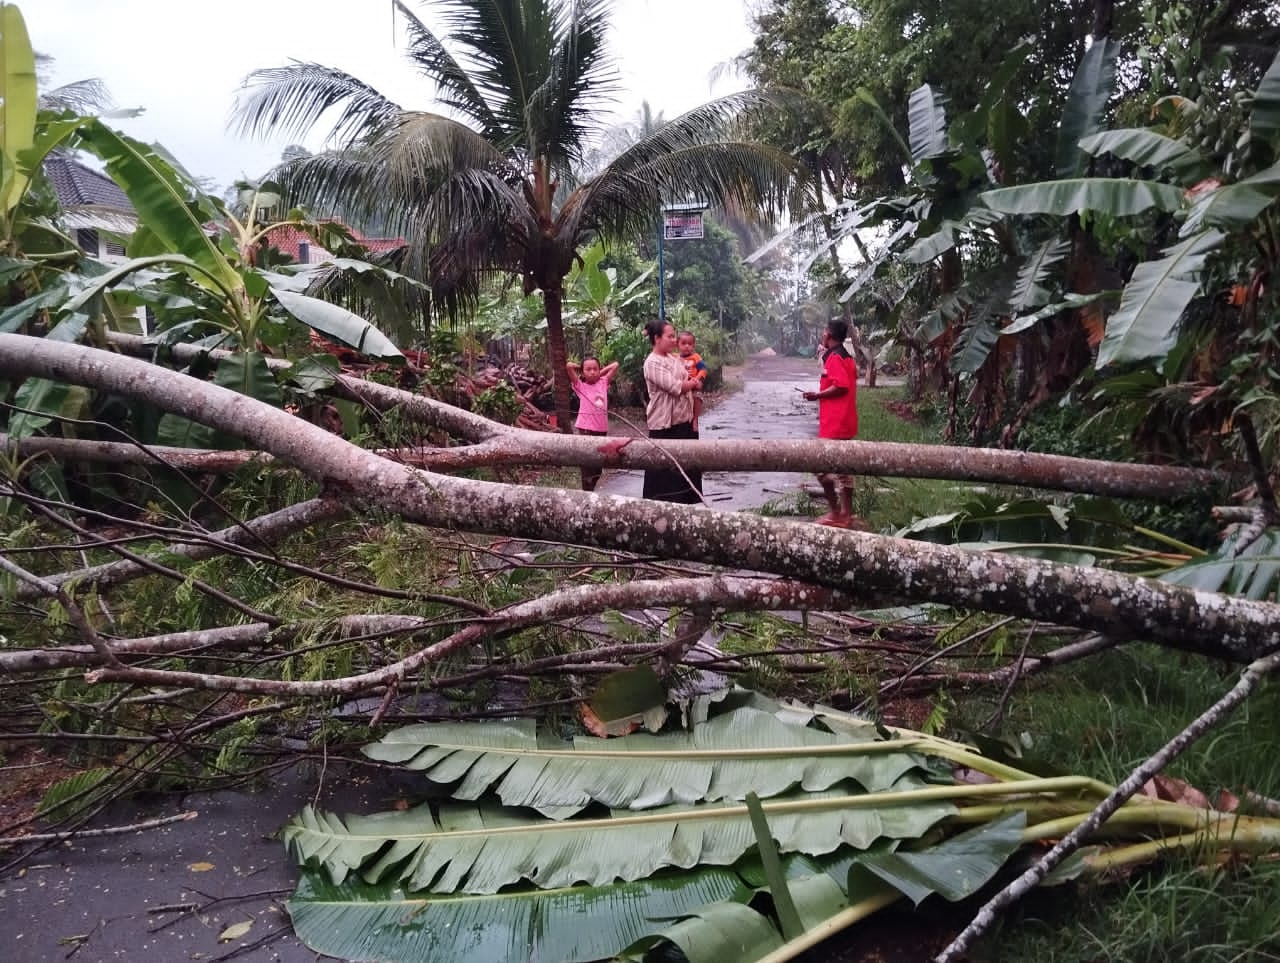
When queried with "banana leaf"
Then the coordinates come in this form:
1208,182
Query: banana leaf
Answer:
1145,325
746,750
355,920
1114,196
482,848
1091,523
1027,292
162,200
954,869
927,123
335,321
1235,205
1087,98
1252,570
1070,302
1143,147
1264,119
18,104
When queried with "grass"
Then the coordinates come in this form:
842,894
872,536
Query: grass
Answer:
1102,718
889,504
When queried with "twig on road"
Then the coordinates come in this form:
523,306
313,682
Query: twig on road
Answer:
106,831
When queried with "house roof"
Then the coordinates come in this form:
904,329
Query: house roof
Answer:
286,239
76,185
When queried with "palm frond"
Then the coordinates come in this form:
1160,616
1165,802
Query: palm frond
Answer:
454,87
542,68
627,198
581,80
352,185
423,147
293,98
89,96
715,120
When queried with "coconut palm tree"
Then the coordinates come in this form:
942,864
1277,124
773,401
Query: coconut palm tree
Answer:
489,182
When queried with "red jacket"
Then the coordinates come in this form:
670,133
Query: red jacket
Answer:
838,417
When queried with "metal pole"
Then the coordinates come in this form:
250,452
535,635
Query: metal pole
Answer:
662,290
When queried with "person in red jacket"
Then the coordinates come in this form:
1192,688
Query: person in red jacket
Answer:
837,398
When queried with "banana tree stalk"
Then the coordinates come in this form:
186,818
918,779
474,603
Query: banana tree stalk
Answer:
1028,787
832,925
1267,840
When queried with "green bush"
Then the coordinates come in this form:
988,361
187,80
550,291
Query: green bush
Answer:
1075,431
500,403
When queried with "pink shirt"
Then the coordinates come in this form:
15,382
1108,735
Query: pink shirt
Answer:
593,414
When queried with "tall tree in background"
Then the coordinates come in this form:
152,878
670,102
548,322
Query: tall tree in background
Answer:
492,188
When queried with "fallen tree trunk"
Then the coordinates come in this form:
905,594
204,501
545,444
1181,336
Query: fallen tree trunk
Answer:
498,445
1103,601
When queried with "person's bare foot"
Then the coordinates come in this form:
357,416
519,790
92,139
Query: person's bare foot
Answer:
833,520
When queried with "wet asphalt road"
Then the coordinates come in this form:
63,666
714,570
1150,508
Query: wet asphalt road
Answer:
769,405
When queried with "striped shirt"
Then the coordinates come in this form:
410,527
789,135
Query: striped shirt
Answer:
663,375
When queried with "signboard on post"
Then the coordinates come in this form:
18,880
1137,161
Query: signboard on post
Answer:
681,225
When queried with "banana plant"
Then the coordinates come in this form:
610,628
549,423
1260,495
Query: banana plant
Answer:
191,261
594,299
31,246
1080,531
743,837
1215,214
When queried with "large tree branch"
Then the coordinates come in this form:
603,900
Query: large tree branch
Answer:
197,642
264,529
496,445
1116,604
710,592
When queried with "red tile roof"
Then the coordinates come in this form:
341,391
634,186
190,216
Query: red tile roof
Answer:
287,239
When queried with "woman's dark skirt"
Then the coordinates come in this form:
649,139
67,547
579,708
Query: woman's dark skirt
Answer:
668,484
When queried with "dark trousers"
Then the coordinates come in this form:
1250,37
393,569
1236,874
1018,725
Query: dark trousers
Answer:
668,484
591,476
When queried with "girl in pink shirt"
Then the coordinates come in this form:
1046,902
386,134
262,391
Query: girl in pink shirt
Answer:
591,385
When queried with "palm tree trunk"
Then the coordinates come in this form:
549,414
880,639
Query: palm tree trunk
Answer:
553,303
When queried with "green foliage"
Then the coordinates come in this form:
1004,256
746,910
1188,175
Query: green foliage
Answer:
1103,717
1182,911
75,794
628,347
442,348
500,403
1084,429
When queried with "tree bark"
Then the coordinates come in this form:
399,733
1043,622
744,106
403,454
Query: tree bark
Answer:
499,445
520,447
557,353
1101,601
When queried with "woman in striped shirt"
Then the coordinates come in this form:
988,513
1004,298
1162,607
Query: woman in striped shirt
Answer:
669,414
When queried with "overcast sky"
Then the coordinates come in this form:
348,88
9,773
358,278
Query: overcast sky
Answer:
183,61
